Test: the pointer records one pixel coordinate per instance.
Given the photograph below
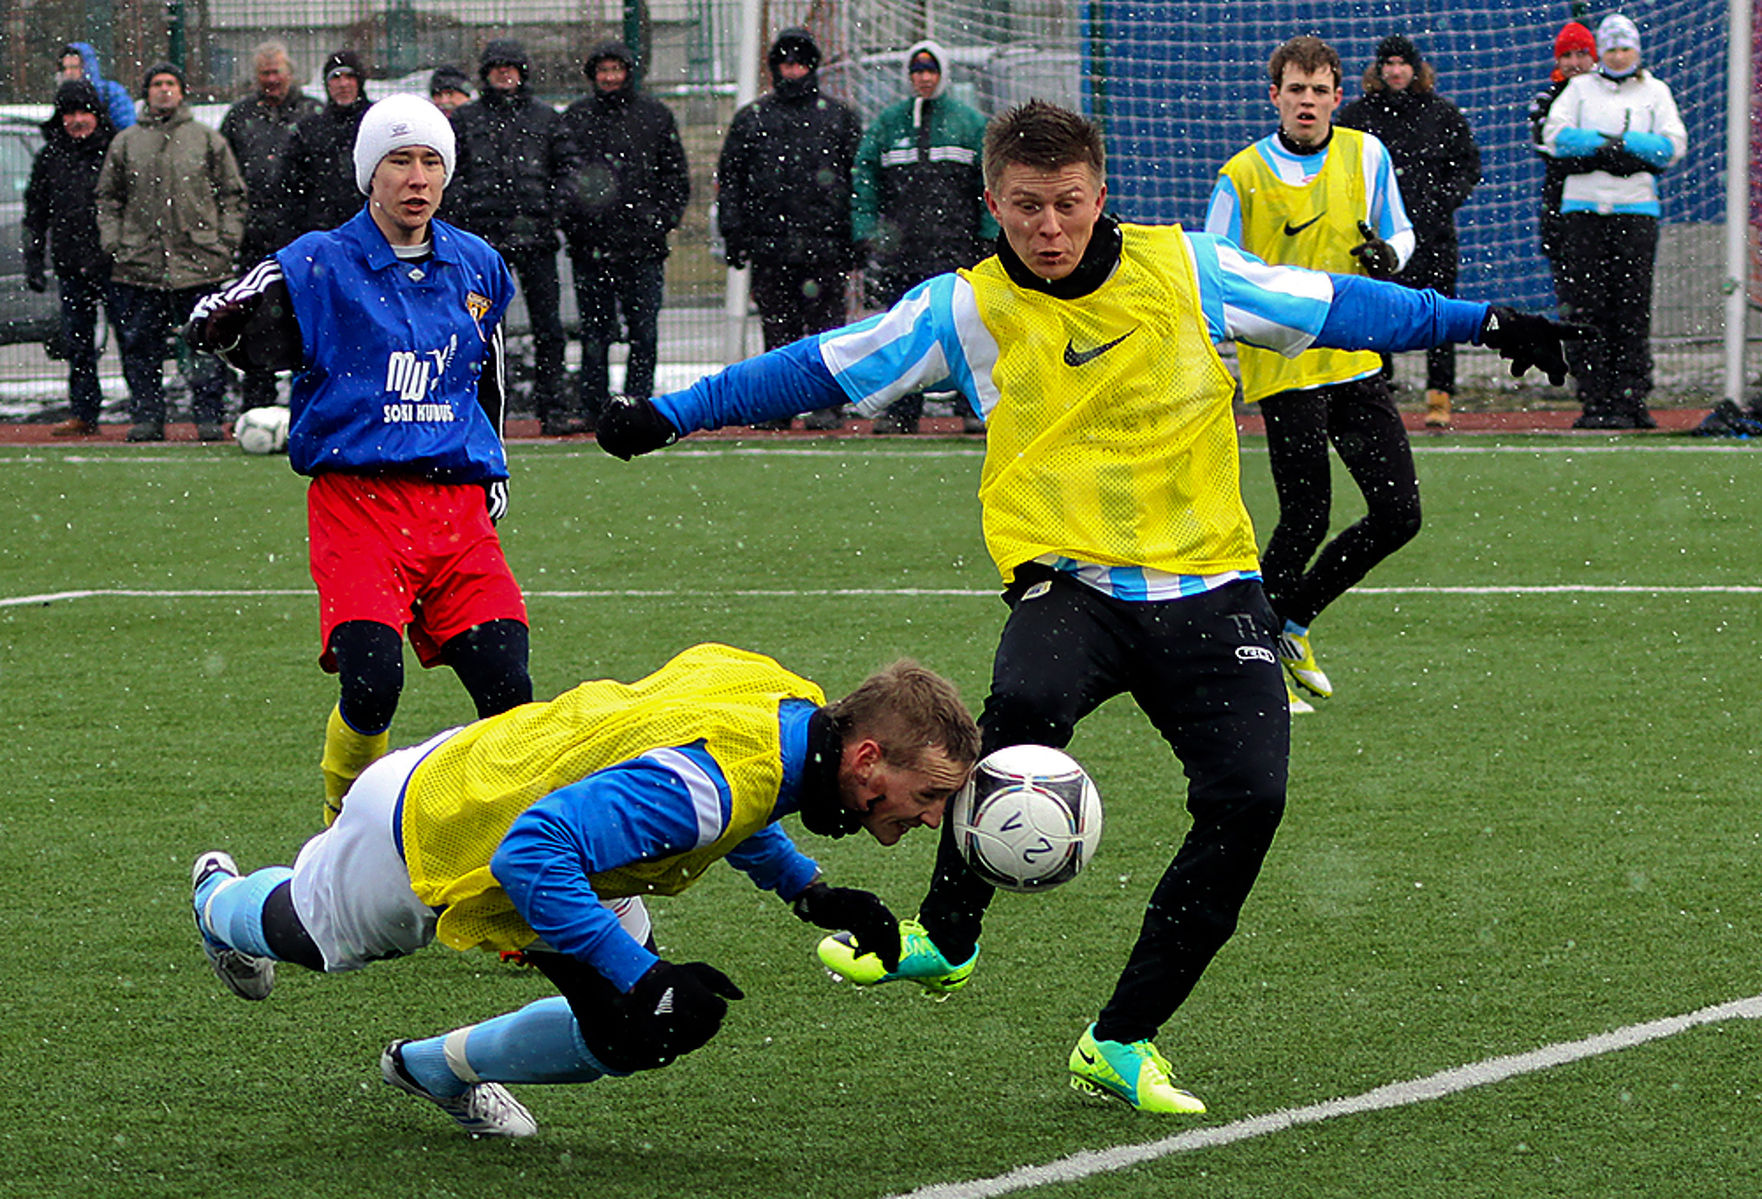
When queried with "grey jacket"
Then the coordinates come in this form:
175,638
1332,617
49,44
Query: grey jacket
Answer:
171,204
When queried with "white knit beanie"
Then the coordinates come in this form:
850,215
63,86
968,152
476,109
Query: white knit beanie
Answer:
395,123
1617,33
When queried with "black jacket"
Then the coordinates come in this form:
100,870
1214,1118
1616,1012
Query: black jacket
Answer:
509,166
1437,163
324,194
59,204
626,185
784,175
262,139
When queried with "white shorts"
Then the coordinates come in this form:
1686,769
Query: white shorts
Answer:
351,888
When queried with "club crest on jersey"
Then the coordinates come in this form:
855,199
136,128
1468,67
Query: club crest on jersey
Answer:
478,306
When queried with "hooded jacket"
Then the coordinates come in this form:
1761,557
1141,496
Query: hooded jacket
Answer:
1437,164
919,183
627,184
171,204
509,161
116,97
785,169
261,135
60,205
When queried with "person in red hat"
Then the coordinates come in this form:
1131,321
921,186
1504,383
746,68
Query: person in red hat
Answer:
1575,52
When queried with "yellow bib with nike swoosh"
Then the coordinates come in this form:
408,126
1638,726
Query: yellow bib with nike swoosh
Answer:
1314,225
462,797
1113,440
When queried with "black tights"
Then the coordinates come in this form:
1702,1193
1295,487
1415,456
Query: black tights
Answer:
1361,421
490,660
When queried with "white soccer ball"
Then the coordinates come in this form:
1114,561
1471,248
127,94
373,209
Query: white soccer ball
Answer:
262,430
1029,818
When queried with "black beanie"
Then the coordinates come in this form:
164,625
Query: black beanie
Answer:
449,79
347,61
1398,45
162,68
503,52
78,95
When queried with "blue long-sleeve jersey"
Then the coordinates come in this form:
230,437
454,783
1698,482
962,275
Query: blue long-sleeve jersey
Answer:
653,806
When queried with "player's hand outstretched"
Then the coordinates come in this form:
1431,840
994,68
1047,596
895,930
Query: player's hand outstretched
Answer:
1526,339
630,426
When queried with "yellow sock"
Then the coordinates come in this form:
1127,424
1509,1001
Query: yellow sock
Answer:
346,754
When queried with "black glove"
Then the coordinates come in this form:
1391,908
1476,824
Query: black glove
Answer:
629,426
1376,256
36,276
671,1011
1527,340
873,928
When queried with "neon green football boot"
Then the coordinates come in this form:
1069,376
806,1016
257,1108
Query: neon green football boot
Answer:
1298,657
1134,1072
919,961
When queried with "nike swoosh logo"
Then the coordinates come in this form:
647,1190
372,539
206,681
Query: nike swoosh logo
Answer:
1089,1058
1076,357
1293,230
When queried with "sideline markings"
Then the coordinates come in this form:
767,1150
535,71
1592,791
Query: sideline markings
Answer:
1079,1166
50,597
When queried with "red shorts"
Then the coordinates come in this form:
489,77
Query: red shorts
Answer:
421,557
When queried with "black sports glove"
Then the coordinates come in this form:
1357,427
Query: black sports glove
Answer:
1376,256
873,928
1527,340
671,1011
629,426
36,275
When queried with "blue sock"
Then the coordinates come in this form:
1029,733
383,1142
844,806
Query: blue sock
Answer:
1295,629
232,908
539,1043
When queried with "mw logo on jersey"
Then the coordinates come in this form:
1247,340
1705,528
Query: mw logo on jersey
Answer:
411,375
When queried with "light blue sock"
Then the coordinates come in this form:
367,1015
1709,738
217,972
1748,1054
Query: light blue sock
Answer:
232,908
539,1043
1295,629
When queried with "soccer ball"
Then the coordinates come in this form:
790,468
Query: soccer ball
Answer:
1029,818
262,430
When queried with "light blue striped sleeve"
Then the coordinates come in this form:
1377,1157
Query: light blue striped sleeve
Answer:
662,803
1289,309
927,341
1388,214
1223,216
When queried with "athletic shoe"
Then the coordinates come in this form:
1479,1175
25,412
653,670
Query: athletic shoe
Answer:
919,961
1299,705
1299,660
245,976
484,1109
1134,1072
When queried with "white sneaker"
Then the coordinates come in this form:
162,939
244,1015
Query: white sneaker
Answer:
1299,705
245,976
1299,661
485,1109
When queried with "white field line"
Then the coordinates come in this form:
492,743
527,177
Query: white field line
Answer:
1079,1166
51,597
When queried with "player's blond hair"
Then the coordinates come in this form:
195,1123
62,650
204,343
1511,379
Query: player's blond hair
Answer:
909,710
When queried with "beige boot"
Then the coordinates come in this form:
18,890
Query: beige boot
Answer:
1437,409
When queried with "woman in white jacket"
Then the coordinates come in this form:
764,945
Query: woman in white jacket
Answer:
1616,128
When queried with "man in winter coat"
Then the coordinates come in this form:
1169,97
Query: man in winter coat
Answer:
919,198
627,188
260,131
1438,165
171,214
784,200
323,174
510,166
60,214
80,61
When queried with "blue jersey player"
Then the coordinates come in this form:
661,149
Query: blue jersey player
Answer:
391,324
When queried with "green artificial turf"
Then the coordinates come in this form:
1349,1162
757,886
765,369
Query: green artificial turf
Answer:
1527,817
